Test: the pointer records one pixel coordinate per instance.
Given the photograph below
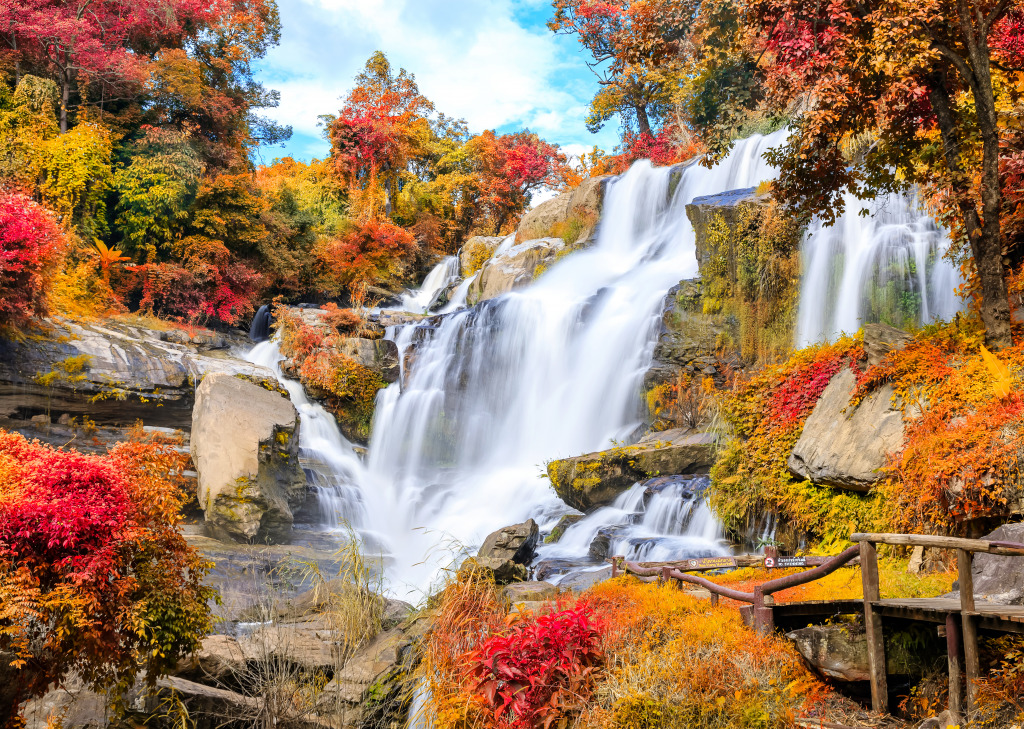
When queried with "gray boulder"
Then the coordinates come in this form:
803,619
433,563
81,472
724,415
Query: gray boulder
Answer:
996,578
846,447
506,552
513,269
245,446
840,652
539,221
596,479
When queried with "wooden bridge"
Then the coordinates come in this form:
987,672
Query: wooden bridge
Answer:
960,619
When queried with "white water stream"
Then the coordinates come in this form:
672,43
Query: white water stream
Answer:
886,266
549,371
444,273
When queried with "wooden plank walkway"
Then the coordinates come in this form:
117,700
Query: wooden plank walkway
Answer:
963,618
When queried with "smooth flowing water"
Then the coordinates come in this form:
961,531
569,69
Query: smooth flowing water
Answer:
887,266
444,273
460,444
549,371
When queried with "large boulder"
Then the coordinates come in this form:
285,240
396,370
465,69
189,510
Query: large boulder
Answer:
539,222
840,652
379,355
596,479
573,215
508,551
245,445
114,372
513,269
846,447
996,578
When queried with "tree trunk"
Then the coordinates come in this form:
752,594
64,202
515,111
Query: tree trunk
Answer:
65,96
642,120
984,234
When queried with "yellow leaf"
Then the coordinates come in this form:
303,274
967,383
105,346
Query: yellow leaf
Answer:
1002,378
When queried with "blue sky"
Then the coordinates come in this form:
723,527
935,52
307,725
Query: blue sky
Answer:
493,63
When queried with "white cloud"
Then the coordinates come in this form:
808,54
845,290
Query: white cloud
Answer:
475,59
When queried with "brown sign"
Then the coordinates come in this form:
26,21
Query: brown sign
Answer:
707,563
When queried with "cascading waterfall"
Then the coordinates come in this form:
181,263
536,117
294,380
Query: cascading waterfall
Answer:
657,522
549,371
460,443
333,469
440,276
888,266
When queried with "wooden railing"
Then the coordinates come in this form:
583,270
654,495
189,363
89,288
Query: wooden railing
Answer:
966,633
760,599
958,633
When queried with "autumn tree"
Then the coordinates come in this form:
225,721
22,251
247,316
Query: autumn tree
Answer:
90,42
31,245
922,90
643,56
95,578
381,127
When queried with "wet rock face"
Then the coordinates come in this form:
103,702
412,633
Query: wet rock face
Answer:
596,479
245,446
115,373
846,447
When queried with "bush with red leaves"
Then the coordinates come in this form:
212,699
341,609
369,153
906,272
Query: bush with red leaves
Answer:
95,578
540,670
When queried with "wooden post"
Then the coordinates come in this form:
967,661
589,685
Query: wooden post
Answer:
666,578
953,652
615,567
965,561
764,617
714,599
873,624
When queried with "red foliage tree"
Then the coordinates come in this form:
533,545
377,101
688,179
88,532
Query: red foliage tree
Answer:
509,168
31,244
94,576
92,41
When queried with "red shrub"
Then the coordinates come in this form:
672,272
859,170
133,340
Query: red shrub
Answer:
539,670
31,244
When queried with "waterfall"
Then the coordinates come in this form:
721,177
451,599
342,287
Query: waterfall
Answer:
333,469
654,522
888,266
440,276
549,371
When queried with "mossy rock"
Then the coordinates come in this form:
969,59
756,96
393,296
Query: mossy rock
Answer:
596,479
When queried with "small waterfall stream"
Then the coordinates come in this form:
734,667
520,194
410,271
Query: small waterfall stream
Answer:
887,266
444,273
